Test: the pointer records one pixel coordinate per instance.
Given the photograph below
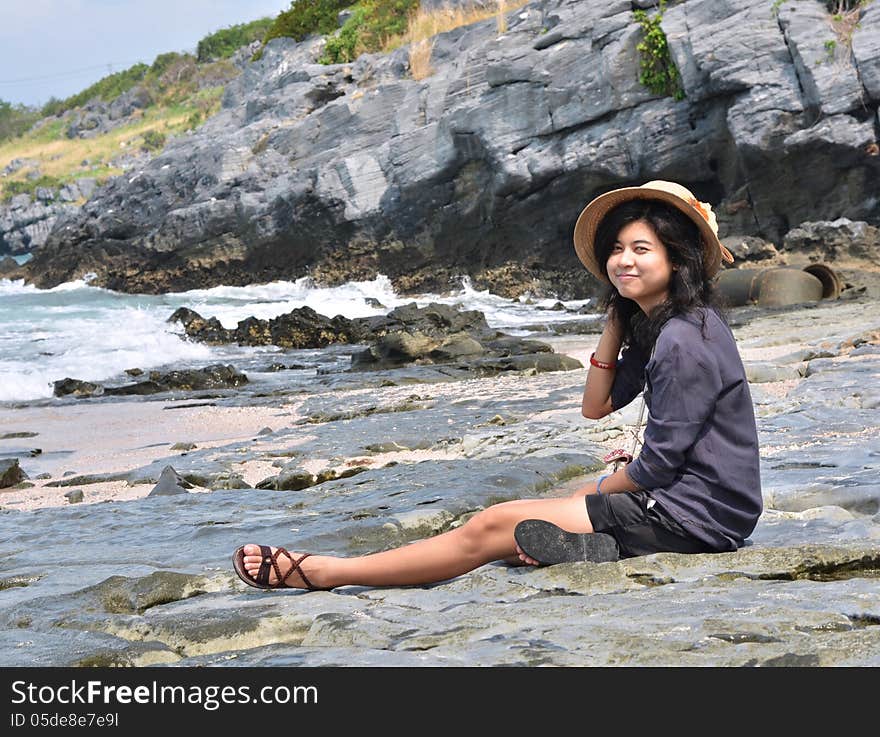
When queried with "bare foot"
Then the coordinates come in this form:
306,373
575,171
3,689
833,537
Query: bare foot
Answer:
309,574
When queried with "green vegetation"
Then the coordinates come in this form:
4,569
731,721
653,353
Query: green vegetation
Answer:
658,71
174,94
29,186
830,45
173,76
774,8
225,42
372,24
62,159
154,140
344,45
16,119
845,15
107,88
369,28
304,18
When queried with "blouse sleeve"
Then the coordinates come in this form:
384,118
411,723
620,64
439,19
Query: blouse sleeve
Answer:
629,379
684,382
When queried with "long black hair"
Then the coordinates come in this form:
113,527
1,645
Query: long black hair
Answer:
689,287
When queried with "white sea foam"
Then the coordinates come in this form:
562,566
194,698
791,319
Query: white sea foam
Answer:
84,332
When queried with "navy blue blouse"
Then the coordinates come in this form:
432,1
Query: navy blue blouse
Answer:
700,459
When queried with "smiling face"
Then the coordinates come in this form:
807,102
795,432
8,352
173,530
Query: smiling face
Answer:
639,266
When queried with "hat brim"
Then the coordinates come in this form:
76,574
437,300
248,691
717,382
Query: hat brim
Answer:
590,217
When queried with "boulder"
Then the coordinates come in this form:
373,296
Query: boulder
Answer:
11,473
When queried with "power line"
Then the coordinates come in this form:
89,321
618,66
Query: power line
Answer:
68,73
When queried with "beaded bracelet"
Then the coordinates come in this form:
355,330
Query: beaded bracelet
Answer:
601,364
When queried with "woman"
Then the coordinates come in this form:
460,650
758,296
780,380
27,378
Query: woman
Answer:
695,486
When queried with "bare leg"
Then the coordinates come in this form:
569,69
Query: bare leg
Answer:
486,537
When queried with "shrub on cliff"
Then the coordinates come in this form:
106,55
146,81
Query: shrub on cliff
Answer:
657,69
107,88
371,24
15,119
304,18
224,43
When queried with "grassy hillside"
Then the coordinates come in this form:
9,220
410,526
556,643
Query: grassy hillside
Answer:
179,91
60,159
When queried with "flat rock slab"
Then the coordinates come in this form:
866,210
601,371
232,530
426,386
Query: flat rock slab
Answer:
150,582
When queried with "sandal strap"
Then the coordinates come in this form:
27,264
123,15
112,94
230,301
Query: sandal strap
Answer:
295,567
282,580
262,576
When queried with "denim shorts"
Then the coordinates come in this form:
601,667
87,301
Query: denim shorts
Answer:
640,525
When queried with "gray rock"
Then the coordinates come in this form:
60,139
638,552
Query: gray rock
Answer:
841,240
759,372
11,473
749,248
494,154
824,65
866,51
170,483
74,496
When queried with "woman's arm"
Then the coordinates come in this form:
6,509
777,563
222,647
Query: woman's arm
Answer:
596,402
613,484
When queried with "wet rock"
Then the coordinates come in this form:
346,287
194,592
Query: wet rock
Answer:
9,267
300,328
124,595
227,480
209,331
394,349
77,387
216,376
289,481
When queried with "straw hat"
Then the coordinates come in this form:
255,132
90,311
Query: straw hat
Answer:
674,194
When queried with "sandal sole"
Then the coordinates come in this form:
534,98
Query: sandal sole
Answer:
549,544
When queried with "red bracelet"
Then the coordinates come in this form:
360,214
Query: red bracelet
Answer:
601,364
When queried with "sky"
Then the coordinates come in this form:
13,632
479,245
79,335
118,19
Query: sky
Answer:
56,48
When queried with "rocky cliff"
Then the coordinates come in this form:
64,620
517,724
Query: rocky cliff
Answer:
481,168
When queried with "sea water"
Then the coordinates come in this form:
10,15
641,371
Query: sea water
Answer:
84,332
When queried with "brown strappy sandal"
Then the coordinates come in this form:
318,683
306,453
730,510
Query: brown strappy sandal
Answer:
269,562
